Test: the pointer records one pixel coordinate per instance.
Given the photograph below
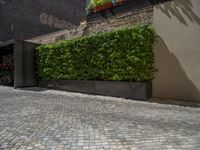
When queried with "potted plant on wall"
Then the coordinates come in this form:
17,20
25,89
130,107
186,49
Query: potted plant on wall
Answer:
94,6
99,5
104,4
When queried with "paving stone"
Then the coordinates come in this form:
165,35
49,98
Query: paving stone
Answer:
50,120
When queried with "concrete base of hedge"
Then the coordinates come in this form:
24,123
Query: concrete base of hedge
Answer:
131,90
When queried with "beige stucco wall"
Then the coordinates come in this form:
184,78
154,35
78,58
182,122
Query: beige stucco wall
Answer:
177,24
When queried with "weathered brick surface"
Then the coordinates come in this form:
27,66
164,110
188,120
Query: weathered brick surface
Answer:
50,120
124,20
128,19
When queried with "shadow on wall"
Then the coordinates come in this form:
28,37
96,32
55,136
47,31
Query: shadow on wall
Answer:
171,80
55,22
179,7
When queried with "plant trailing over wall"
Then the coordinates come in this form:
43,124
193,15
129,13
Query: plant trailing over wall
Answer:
123,55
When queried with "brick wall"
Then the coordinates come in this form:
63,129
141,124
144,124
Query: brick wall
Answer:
138,12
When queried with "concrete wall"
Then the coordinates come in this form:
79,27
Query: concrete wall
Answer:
177,24
24,64
22,19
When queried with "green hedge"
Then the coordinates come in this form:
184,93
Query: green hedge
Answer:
123,55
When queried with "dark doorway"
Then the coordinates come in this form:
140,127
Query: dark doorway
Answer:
7,64
17,64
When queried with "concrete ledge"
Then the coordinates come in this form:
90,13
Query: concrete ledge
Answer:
131,90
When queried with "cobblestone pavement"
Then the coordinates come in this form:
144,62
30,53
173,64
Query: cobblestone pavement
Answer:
62,120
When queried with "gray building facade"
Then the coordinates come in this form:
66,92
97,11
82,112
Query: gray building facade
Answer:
22,19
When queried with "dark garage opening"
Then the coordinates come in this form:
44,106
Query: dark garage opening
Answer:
7,64
17,64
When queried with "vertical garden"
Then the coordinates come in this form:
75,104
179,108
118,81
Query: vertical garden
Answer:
122,55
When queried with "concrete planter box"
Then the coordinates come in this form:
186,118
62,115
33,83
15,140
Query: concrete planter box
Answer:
131,90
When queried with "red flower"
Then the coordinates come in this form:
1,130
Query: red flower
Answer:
6,66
